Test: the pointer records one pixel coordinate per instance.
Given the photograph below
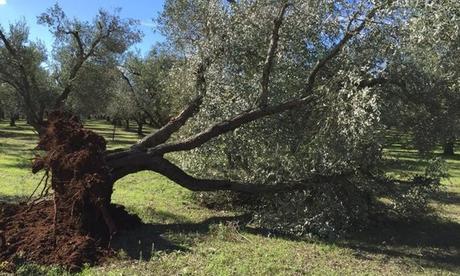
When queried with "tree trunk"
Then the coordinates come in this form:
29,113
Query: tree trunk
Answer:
140,127
127,124
36,121
449,147
13,118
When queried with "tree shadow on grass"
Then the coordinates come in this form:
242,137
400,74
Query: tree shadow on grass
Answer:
12,199
19,133
141,242
431,241
447,197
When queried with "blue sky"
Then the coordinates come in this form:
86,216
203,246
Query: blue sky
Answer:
143,10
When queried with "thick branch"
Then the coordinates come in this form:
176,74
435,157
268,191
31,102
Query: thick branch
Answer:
268,64
164,133
68,87
373,82
139,161
187,181
200,82
228,125
76,36
7,44
252,115
8,79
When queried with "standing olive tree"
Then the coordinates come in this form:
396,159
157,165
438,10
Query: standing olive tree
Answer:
21,60
10,104
21,70
434,43
141,93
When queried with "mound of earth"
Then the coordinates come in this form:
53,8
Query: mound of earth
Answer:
76,224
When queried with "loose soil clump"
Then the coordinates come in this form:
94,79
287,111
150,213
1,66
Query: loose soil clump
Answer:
75,225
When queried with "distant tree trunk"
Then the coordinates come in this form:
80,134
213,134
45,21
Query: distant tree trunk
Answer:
140,127
127,124
113,131
36,121
449,147
2,115
118,122
13,118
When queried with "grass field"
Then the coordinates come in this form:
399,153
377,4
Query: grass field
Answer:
181,238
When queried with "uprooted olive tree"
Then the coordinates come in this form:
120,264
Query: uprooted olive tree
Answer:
284,101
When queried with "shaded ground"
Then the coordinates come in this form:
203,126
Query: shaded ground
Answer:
430,242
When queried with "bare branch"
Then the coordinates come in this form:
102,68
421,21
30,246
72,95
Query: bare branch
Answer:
76,36
373,82
273,46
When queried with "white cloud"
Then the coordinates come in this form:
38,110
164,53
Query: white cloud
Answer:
2,2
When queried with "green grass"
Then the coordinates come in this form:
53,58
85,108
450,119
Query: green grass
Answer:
181,238
404,161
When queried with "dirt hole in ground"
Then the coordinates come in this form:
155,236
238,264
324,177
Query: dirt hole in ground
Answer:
75,224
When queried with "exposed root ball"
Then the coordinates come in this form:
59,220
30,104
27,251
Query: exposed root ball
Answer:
74,227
